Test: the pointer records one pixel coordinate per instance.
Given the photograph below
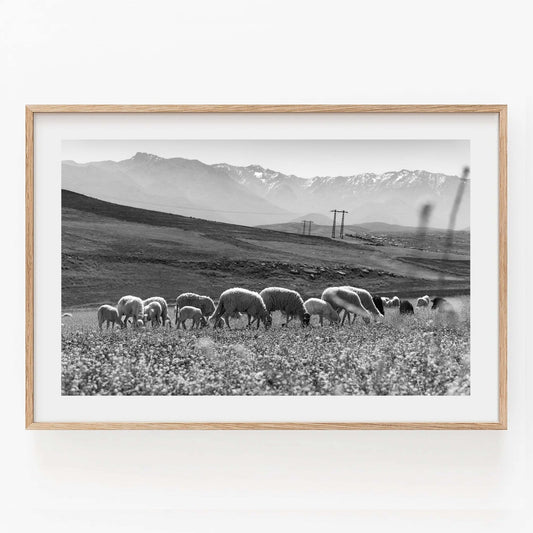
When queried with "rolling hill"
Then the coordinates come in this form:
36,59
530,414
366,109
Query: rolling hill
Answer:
109,250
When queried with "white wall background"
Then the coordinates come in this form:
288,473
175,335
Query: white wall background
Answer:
264,52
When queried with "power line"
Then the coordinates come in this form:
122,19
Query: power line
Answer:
341,231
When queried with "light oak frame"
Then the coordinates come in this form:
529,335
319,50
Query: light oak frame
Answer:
501,110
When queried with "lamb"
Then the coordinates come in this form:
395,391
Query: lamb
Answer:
349,301
366,300
406,308
316,306
164,306
442,305
287,301
243,301
204,303
131,306
154,313
424,301
109,315
193,313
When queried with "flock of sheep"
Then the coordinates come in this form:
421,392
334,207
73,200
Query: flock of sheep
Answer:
258,307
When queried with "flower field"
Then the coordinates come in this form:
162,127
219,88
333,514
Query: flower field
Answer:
397,355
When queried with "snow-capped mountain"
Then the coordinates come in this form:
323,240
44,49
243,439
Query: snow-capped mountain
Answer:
254,195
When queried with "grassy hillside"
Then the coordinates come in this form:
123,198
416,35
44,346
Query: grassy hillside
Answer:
110,250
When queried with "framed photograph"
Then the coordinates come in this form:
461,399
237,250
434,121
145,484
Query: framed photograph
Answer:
266,267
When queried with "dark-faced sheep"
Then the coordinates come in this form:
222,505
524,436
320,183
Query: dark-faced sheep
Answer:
287,301
321,308
406,308
109,315
378,302
343,299
242,301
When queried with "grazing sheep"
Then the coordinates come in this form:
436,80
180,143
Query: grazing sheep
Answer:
109,315
189,312
153,312
378,302
349,301
366,300
131,306
243,301
394,302
424,301
164,306
406,308
204,303
316,306
442,305
287,301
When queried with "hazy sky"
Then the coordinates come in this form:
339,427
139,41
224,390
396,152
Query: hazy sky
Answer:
304,158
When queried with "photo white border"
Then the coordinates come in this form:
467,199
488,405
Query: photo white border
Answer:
480,128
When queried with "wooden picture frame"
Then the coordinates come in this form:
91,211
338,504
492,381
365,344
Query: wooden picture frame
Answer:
500,110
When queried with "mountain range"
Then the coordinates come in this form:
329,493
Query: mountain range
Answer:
254,195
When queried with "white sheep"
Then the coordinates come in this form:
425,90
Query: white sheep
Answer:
287,301
189,312
164,306
394,302
424,301
204,303
131,306
316,306
349,301
109,315
243,301
153,312
366,300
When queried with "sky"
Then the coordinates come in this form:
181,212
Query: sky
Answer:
304,158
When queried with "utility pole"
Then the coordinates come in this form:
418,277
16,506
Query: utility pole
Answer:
334,211
309,230
341,232
303,232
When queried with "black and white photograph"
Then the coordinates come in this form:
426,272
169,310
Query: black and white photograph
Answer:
265,267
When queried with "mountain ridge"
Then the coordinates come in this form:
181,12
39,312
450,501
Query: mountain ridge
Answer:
255,195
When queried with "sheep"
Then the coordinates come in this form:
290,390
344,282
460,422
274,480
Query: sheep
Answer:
222,321
153,312
204,303
406,308
107,314
378,302
287,301
394,302
193,313
366,300
385,301
243,301
164,306
424,301
442,305
131,306
316,306
349,301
